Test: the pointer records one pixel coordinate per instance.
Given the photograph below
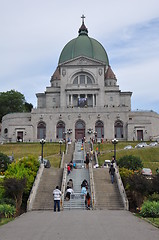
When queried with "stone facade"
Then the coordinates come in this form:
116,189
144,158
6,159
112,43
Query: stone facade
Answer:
82,101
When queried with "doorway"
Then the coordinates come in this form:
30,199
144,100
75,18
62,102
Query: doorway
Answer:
79,130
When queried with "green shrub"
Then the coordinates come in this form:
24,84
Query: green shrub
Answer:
150,209
7,210
4,161
130,162
154,197
125,173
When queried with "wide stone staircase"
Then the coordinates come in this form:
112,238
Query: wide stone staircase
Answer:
51,177
78,174
77,201
106,194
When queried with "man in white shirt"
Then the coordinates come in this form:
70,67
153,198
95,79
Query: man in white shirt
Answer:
57,197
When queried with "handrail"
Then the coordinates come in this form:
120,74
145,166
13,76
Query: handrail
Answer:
63,186
96,158
62,160
92,188
121,188
34,188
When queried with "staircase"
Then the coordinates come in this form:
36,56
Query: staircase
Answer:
50,179
106,194
77,201
69,155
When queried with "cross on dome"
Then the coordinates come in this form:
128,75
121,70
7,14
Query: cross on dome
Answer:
83,17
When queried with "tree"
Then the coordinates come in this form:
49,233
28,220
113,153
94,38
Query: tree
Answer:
19,179
15,188
13,101
130,162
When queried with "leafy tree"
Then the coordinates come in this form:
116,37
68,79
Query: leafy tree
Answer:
139,187
19,179
130,162
13,101
15,188
4,161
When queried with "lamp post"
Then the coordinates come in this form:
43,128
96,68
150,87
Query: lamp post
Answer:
60,145
115,141
65,139
99,141
42,142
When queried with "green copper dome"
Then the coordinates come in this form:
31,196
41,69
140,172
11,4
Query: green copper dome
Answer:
83,45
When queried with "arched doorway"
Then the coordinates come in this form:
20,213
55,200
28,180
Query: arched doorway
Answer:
41,130
60,130
118,129
79,130
99,129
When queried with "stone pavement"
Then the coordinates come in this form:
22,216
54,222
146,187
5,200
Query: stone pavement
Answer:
78,225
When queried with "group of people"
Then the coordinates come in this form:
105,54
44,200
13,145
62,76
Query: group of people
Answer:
70,167
84,191
69,189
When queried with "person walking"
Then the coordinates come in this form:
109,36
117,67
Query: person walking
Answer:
112,172
57,197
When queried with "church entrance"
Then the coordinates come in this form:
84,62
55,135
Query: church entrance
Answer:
140,135
99,129
79,130
20,136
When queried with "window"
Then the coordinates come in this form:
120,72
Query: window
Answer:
99,128
75,81
60,130
6,130
83,79
89,81
41,130
118,129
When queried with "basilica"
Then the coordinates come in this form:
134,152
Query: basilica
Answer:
83,101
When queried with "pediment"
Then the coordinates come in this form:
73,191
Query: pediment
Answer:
82,61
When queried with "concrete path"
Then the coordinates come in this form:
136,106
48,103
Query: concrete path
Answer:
78,225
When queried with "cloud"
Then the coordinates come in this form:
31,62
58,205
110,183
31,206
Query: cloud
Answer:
33,34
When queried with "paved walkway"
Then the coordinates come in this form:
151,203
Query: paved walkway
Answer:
78,225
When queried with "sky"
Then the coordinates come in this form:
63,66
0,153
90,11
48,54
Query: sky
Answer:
34,32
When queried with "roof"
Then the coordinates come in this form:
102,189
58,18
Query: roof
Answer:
83,45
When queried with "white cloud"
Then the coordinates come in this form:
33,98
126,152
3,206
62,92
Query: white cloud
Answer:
33,34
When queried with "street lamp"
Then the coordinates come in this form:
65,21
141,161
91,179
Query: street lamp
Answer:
115,141
99,141
42,142
60,141
65,139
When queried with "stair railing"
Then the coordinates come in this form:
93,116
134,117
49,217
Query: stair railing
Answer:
92,188
62,160
121,188
63,186
34,188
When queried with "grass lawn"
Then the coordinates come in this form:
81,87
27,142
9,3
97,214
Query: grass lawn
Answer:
51,151
154,221
5,220
148,155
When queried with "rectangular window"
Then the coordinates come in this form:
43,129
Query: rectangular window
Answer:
82,79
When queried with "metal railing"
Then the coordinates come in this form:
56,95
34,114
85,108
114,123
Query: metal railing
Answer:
77,201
